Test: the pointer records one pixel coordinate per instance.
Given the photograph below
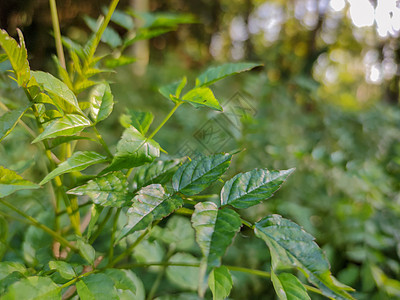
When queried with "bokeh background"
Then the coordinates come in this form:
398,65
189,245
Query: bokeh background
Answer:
326,102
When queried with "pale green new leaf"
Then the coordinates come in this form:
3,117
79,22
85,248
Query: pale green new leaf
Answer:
9,120
214,74
150,204
65,269
33,288
292,247
96,287
57,90
101,101
202,96
215,229
288,287
133,150
17,56
11,182
159,171
248,189
65,126
77,162
220,283
86,250
173,89
194,176
108,190
138,119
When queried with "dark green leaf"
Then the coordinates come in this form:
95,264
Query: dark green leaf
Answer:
288,287
65,269
202,96
101,101
86,250
34,288
9,120
217,73
133,150
65,126
108,190
96,287
194,176
17,56
248,189
291,246
11,182
173,89
150,204
77,162
138,119
160,171
220,283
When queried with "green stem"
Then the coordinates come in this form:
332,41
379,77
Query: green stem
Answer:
102,142
114,229
37,224
71,282
57,33
177,104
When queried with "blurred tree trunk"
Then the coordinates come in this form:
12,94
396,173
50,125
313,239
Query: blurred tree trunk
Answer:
141,48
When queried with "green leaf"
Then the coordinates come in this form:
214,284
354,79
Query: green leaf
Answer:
6,268
65,126
11,182
123,60
150,204
96,287
173,89
146,34
34,288
248,189
165,19
65,269
57,90
86,250
133,150
292,247
202,96
288,287
220,283
160,171
108,190
95,212
179,232
77,162
110,36
194,176
123,279
121,18
138,119
217,73
184,277
101,101
17,56
215,229
389,285
9,120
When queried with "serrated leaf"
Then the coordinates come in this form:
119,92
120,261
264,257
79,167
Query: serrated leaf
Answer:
185,277
17,56
65,126
292,247
77,162
101,101
122,279
173,89
133,150
248,189
96,287
288,287
194,176
217,73
220,283
33,288
202,96
108,190
86,250
150,204
138,119
159,171
215,229
11,182
9,120
57,90
65,269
